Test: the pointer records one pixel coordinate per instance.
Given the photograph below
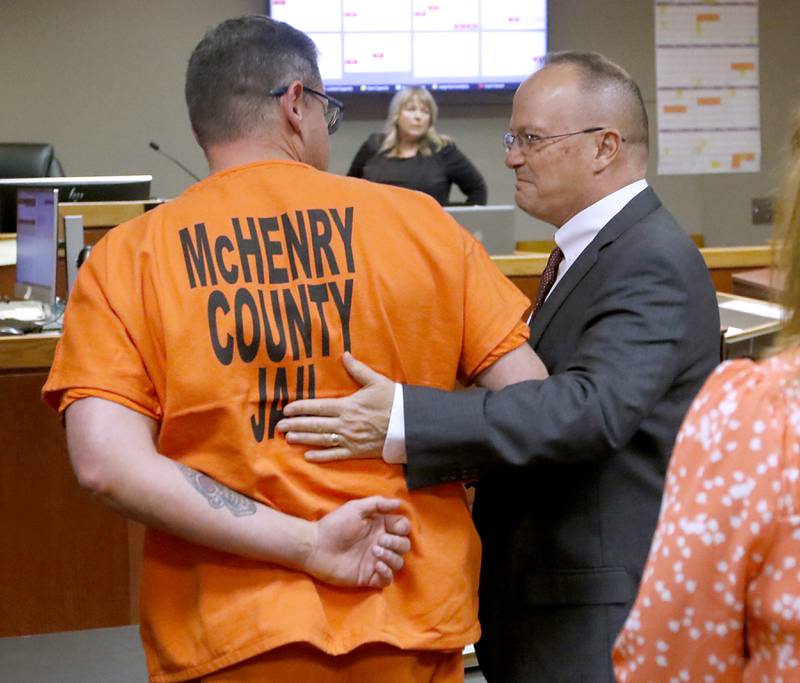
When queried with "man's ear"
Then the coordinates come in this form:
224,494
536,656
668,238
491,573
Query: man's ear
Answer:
200,144
609,147
291,104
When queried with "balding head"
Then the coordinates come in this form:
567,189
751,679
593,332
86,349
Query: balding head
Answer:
611,94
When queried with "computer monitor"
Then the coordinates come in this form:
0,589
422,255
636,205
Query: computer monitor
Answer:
37,243
492,225
73,189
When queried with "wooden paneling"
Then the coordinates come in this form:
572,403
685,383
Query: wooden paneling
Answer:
740,258
102,214
65,558
762,283
528,284
28,351
546,246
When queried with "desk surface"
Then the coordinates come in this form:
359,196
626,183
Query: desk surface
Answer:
762,283
31,351
747,317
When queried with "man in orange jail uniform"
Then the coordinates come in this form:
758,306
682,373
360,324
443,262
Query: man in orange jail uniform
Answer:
191,326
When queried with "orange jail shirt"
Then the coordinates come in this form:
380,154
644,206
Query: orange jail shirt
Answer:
212,311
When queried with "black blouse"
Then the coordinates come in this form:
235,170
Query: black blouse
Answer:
433,174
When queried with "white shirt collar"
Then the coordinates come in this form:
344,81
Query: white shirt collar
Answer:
576,234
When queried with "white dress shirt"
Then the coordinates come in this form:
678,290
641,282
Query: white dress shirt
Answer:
572,238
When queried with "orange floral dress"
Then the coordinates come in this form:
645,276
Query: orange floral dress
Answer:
720,595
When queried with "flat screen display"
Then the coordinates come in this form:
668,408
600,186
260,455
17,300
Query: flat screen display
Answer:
444,45
37,243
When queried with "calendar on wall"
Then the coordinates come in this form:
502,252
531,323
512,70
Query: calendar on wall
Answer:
707,90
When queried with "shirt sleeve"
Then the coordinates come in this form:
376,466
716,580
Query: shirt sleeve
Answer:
367,150
99,353
463,173
724,504
394,447
494,309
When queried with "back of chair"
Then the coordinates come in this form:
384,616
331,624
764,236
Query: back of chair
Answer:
28,160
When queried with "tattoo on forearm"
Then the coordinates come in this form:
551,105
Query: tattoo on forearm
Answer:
218,495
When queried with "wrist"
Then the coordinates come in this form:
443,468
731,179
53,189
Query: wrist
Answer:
305,543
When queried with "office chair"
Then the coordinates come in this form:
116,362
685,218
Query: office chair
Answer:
28,160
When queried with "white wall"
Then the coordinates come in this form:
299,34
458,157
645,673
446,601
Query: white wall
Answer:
101,78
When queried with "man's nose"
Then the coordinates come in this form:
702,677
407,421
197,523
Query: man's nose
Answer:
514,157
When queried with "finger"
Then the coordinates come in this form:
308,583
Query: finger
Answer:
360,372
322,441
397,544
375,581
375,504
335,454
386,505
385,572
390,558
309,424
396,524
326,407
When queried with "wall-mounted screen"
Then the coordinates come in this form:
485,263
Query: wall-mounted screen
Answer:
444,45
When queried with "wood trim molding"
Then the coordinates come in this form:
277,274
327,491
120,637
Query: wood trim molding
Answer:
28,351
101,214
757,256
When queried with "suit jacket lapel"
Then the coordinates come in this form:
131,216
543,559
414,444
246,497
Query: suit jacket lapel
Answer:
642,204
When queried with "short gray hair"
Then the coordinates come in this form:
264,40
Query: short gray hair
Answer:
233,68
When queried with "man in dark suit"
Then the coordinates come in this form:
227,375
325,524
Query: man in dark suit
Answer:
571,467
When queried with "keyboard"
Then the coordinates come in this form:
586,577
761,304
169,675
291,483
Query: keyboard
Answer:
15,326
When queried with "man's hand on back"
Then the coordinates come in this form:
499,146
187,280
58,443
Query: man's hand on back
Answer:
342,428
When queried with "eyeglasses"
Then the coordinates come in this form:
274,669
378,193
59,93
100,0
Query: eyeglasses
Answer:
527,140
334,110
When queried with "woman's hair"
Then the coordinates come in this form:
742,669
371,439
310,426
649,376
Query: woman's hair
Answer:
788,233
431,142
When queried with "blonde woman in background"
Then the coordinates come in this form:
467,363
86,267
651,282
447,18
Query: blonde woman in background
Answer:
720,595
410,153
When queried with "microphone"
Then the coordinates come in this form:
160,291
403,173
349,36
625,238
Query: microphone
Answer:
155,146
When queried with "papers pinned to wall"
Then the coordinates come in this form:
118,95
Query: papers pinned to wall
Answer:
707,87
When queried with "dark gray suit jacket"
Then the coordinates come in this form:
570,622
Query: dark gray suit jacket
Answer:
572,468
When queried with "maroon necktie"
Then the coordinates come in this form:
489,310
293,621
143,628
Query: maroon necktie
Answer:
548,278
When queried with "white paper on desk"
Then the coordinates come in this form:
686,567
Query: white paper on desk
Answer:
730,331
765,310
22,313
